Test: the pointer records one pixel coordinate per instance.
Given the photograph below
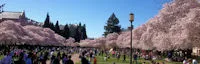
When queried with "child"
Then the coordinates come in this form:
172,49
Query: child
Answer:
105,58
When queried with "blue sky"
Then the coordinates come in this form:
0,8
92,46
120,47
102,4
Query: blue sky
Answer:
93,13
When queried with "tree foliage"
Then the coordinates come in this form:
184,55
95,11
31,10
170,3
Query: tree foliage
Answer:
112,25
78,32
66,32
14,33
57,28
176,26
47,22
84,33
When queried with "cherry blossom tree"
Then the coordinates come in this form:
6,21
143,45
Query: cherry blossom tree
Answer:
71,42
175,27
12,32
111,40
87,43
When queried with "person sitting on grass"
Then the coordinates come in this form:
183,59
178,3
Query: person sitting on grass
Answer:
153,62
185,61
163,62
194,61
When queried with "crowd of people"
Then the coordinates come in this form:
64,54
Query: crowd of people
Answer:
63,55
43,55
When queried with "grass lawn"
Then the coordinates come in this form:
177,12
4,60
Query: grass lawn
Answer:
1,57
140,61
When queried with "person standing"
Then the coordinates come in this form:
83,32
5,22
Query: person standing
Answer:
65,59
95,60
21,60
91,54
45,58
124,57
135,57
52,59
70,61
7,59
56,60
84,60
28,60
15,58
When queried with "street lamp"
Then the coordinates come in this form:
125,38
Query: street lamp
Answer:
131,20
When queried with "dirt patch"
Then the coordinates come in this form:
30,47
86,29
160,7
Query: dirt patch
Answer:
75,58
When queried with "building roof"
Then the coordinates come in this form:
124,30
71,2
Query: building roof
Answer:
11,15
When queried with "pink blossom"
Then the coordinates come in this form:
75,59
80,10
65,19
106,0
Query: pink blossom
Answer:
13,33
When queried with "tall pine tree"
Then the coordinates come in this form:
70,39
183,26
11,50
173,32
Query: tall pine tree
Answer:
66,32
47,22
83,30
78,33
112,25
57,28
52,26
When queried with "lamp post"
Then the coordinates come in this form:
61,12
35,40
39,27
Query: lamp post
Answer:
131,20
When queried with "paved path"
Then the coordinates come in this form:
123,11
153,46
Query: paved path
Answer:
75,58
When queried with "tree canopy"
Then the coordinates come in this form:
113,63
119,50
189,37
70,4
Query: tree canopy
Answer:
112,25
78,32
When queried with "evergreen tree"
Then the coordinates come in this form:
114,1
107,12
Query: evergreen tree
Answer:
47,22
84,32
78,33
72,29
57,28
52,26
112,25
66,32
